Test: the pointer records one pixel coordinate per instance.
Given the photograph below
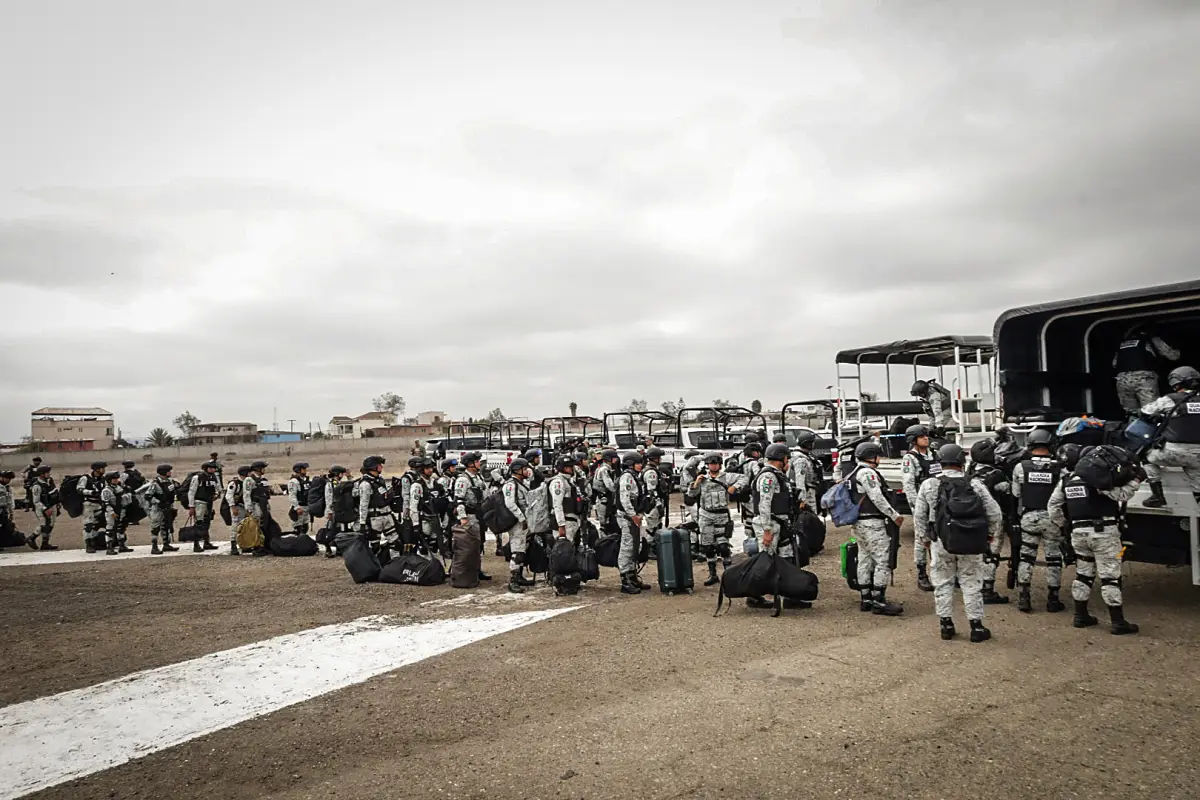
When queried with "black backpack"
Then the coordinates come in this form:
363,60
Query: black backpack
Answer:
733,464
565,572
1106,467
961,523
316,496
494,514
181,494
344,509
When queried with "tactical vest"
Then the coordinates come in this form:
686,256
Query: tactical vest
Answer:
236,485
474,494
572,499
50,495
783,504
434,499
537,480
927,467
991,478
166,492
818,470
89,488
1135,355
261,493
598,479
376,491
866,509
206,487
1184,425
305,482
1038,479
1087,504
641,503
344,509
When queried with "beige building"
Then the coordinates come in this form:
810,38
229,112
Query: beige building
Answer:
53,424
432,418
221,433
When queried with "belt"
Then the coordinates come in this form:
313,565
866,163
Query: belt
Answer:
1093,522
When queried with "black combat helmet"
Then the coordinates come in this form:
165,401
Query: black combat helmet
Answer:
777,452
951,455
163,469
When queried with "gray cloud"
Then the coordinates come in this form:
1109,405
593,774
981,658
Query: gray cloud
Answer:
716,219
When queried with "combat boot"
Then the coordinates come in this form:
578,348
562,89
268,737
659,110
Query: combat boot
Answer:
197,546
923,582
627,585
1156,498
233,549
208,545
978,632
89,545
1024,601
990,596
864,601
1082,618
111,551
48,546
31,540
1053,604
483,576
713,580
169,548
123,547
521,579
514,582
637,581
881,607
948,631
154,551
1119,626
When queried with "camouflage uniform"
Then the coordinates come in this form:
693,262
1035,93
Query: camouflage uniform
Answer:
1097,552
377,518
804,478
604,487
946,567
628,488
1037,528
1175,454
654,516
516,499
158,496
767,484
915,467
89,487
39,491
873,533
236,498
114,499
712,513
561,487
1137,384
298,499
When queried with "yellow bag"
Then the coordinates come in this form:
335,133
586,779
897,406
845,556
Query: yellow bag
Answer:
249,535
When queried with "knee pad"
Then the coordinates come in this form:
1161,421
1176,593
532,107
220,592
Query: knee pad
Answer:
1085,579
725,550
518,559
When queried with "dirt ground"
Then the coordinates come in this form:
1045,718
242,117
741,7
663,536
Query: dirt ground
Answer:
647,696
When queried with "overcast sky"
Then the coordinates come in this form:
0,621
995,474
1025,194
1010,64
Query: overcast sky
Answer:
519,204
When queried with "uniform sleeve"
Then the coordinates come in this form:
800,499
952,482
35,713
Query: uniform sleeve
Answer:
766,492
248,486
995,516
557,487
689,491
1160,406
922,511
509,489
868,484
462,485
651,478
36,491
1018,476
1123,494
909,472
626,492
364,503
329,497
414,503
608,482
230,493
1165,350
294,492
192,487
1056,508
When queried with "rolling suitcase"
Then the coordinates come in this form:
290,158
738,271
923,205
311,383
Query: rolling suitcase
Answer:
674,561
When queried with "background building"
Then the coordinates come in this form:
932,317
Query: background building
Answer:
271,437
55,429
219,433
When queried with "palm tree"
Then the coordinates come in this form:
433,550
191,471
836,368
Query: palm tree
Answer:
160,438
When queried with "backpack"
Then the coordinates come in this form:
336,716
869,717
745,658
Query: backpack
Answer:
733,464
1106,467
249,534
961,523
607,549
316,496
840,504
181,494
565,574
345,507
69,496
494,514
535,555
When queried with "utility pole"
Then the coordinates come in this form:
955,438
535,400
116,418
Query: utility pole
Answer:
291,426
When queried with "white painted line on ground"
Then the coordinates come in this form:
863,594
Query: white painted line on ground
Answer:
55,739
24,558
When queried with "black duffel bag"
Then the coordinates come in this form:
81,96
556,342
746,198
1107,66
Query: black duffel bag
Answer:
413,570
812,529
298,544
1106,467
361,562
795,583
753,577
608,548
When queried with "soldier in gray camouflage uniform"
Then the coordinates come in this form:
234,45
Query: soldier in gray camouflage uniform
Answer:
89,487
469,490
202,496
1092,517
1181,437
711,491
515,491
46,506
115,499
651,477
937,401
297,490
1033,481
1136,363
604,488
947,568
158,497
871,531
916,467
632,503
